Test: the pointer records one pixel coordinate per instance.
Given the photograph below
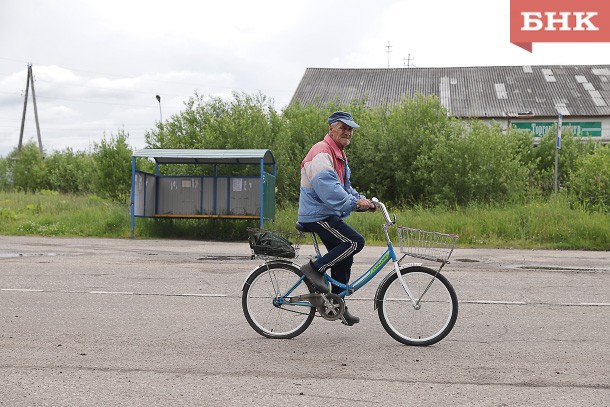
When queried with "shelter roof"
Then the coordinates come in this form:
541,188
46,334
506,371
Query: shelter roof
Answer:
204,156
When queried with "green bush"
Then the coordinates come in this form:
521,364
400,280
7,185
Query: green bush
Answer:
479,165
28,169
544,160
6,182
383,151
246,122
113,167
387,148
70,172
590,180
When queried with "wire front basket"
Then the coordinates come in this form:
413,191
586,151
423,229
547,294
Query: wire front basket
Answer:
274,243
433,246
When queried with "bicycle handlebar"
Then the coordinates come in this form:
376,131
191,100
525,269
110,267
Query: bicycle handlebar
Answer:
384,210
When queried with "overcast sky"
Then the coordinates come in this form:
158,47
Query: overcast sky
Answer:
98,64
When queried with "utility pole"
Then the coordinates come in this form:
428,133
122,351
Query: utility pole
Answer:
388,52
557,147
30,80
408,59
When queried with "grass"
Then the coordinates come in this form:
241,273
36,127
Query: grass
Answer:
53,214
551,224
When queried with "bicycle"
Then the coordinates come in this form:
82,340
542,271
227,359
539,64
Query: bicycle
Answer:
416,304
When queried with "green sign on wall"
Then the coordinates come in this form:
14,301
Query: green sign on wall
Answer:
585,129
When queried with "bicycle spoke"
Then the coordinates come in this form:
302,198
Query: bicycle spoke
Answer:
426,321
266,306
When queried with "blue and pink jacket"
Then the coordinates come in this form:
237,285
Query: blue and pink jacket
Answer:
325,185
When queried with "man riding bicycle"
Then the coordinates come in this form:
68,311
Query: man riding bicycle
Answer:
326,199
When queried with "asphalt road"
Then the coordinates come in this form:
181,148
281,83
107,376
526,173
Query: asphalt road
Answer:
92,322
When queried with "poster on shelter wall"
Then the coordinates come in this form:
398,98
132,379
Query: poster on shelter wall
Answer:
237,184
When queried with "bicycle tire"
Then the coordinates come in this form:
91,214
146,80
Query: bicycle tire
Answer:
411,325
259,301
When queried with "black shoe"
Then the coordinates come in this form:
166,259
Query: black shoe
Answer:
315,277
349,319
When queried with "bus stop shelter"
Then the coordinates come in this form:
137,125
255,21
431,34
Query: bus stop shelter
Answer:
214,196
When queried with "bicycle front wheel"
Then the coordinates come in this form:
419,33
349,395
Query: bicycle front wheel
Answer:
423,322
265,301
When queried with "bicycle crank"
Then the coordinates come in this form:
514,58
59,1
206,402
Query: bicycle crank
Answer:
330,306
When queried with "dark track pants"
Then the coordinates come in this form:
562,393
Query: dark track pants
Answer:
342,243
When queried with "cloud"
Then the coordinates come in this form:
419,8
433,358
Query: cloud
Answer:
99,64
76,109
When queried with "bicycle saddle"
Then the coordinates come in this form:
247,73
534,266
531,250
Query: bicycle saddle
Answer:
301,228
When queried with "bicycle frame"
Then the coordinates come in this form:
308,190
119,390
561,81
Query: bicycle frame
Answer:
348,289
388,256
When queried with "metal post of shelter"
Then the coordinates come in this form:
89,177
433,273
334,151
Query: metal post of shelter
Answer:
133,195
262,193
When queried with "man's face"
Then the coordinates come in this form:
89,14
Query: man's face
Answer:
341,133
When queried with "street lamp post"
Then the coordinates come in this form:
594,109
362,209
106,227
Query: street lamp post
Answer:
160,113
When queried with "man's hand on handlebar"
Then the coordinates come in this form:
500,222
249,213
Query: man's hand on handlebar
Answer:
363,205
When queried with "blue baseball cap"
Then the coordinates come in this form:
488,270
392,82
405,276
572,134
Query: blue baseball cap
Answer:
343,117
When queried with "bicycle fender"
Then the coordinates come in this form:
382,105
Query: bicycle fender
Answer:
265,265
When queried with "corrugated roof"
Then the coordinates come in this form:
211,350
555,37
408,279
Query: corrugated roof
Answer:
189,156
495,91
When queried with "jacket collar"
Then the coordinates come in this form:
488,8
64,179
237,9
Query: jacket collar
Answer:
336,150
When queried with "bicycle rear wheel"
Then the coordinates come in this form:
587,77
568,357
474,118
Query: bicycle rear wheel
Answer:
426,322
265,301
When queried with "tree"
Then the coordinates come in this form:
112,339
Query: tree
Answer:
244,122
6,181
590,181
28,168
390,142
113,167
571,148
480,165
70,172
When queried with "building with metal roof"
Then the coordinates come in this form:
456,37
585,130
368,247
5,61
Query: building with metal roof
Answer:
528,97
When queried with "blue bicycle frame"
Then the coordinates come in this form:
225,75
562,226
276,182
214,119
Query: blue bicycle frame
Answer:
349,289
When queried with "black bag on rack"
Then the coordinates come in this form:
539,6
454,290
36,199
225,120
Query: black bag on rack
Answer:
267,243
